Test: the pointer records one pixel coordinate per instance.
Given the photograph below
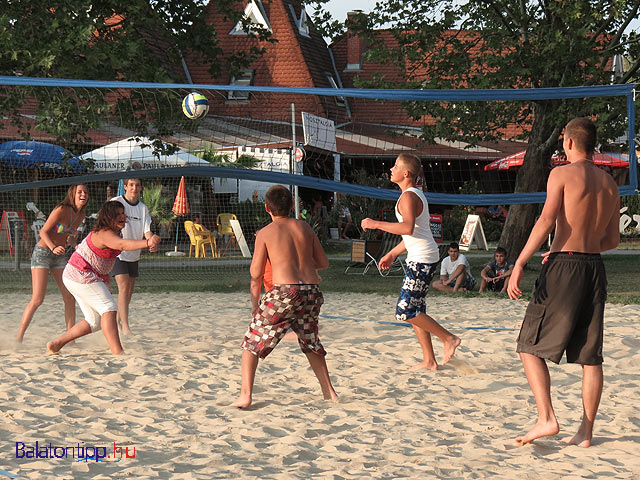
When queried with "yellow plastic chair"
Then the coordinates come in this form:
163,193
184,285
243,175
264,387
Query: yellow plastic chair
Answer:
199,239
208,236
225,228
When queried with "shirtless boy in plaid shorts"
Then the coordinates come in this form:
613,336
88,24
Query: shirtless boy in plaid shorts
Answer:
412,212
295,254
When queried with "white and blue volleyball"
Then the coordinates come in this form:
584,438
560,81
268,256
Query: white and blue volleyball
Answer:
195,106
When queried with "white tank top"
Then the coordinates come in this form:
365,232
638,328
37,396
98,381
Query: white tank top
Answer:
421,247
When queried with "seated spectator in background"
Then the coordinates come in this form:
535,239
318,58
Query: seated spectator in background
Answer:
455,272
495,276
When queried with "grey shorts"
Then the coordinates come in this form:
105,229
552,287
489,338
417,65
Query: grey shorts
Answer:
566,312
125,268
42,257
469,283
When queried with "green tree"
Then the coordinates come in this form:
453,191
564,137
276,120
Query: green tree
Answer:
481,44
132,40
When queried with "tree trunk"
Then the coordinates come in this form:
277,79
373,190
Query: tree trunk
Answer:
532,177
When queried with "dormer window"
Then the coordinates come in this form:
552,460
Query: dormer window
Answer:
302,22
242,79
254,11
340,101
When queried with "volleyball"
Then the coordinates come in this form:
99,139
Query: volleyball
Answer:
195,106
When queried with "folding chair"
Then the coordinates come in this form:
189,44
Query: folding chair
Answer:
365,256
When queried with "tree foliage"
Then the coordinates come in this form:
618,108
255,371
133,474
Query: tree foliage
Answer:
489,44
132,40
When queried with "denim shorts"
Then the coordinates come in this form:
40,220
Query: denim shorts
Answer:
42,257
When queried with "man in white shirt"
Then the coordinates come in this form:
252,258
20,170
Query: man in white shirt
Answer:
455,272
138,227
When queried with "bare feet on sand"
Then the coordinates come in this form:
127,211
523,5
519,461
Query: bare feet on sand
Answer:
450,348
580,439
53,347
243,401
432,365
539,430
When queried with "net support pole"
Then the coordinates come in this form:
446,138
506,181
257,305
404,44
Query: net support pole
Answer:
16,246
631,121
293,160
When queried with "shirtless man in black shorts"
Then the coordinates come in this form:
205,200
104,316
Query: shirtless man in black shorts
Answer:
566,311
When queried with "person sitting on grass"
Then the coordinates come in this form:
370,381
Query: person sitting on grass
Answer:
86,276
495,276
455,272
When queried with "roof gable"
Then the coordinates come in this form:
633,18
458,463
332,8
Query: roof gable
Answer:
254,11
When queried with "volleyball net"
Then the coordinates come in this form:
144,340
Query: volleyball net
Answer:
334,147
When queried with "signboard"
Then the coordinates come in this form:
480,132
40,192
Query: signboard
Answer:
319,132
299,154
7,232
473,232
435,222
242,242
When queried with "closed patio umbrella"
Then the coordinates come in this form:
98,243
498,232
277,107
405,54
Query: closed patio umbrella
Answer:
180,208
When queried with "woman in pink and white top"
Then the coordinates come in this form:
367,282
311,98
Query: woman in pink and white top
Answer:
86,276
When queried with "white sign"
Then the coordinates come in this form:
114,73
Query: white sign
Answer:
272,160
319,132
242,242
473,231
625,220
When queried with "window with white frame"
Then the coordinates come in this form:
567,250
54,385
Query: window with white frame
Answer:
242,79
340,101
302,22
254,11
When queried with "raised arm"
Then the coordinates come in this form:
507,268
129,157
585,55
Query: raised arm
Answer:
409,206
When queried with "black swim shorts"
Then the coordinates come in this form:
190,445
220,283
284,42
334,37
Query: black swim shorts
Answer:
125,268
566,312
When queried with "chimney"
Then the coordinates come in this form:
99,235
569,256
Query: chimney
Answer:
355,45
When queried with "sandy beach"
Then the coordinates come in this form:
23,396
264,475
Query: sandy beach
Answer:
168,397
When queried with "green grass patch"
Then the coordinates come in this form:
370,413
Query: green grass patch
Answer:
622,274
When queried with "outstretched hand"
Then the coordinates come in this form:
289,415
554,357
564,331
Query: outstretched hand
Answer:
513,290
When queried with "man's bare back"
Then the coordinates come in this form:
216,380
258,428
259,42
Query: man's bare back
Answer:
587,213
293,249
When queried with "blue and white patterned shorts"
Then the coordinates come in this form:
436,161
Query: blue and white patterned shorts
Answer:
414,290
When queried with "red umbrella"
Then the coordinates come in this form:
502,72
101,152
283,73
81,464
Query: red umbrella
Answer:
599,159
180,205
517,159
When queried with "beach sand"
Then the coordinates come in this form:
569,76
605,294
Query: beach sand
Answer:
168,397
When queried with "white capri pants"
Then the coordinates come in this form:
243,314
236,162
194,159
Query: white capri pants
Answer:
94,300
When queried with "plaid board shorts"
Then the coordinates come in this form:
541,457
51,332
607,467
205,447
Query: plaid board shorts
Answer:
415,286
281,308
